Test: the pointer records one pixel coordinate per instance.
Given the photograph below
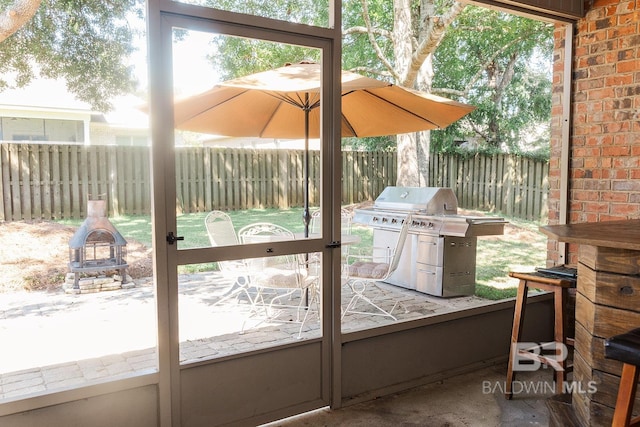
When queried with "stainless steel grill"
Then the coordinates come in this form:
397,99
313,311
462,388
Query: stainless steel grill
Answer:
439,255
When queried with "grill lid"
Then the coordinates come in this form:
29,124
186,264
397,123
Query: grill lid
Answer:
429,200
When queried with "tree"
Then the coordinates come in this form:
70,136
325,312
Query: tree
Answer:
83,41
404,48
467,53
500,63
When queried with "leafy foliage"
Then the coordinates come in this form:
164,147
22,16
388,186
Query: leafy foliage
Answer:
247,56
501,64
357,51
85,42
498,62
307,12
377,143
236,57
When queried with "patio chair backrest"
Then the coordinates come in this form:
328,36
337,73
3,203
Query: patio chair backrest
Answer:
315,227
264,232
222,233
397,252
220,229
316,222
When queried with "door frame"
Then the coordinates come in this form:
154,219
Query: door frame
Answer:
163,15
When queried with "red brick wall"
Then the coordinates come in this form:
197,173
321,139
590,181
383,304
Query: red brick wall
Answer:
605,132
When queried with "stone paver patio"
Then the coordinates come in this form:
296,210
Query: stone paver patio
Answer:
62,340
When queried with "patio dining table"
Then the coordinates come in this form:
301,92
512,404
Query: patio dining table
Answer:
345,239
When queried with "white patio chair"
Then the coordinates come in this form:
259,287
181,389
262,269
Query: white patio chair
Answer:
277,278
315,227
222,233
316,222
363,272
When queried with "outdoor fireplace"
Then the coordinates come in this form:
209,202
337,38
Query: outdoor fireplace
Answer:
97,246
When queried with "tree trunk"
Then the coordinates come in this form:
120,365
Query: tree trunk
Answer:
403,49
415,38
407,161
413,149
425,81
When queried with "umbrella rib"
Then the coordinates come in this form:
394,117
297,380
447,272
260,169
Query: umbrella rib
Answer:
401,108
348,123
213,106
291,101
266,123
299,102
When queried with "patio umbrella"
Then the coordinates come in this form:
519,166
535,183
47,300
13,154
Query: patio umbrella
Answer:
283,103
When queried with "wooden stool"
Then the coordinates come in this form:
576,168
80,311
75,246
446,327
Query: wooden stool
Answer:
559,286
625,348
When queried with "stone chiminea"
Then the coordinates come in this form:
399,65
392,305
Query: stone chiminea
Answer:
96,247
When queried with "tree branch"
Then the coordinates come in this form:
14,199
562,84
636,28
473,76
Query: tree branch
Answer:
374,43
370,71
448,91
507,76
477,130
365,30
490,60
431,34
16,15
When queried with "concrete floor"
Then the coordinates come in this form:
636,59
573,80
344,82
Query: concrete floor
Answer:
475,399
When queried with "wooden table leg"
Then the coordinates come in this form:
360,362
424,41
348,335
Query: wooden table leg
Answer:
518,320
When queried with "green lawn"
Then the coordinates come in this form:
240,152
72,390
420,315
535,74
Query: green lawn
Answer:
523,250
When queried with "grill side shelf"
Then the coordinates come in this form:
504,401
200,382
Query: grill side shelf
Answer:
461,226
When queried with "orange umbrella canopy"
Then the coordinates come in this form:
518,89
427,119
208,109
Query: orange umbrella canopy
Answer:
272,104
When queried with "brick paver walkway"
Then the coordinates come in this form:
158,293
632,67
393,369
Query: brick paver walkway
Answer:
56,340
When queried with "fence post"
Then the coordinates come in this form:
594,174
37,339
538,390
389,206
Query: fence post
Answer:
511,185
282,178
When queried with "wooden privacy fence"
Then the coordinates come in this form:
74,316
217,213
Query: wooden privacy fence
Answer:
55,181
512,185
39,181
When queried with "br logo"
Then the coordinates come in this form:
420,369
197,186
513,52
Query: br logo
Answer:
528,356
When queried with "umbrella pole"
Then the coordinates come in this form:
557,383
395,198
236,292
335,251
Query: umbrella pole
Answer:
306,216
